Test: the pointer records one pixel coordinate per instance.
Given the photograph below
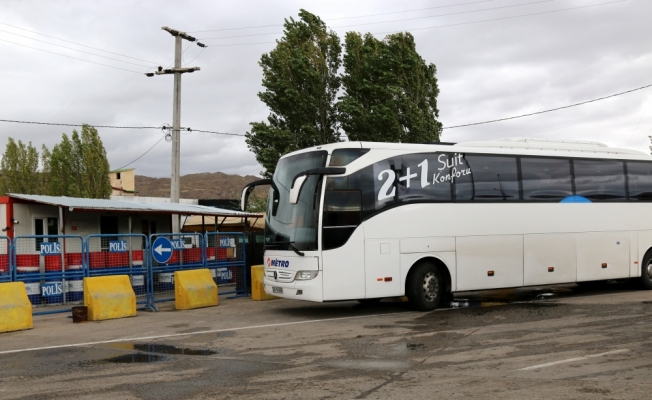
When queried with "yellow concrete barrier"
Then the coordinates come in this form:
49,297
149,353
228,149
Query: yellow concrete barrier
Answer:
15,308
194,289
257,288
109,297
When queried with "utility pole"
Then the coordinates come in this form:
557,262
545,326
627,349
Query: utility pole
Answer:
176,114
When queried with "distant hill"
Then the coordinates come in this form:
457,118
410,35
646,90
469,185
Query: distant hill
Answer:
206,185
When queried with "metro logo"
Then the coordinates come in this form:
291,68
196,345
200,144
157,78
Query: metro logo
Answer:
277,263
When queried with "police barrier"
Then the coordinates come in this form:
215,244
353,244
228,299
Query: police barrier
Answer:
121,254
6,266
171,252
52,268
226,259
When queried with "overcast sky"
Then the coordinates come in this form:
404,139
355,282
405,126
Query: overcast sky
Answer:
486,70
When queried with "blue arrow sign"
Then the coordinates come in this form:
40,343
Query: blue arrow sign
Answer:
162,250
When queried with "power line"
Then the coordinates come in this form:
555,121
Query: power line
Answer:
550,110
504,18
396,20
81,51
218,133
448,25
79,44
80,125
446,127
74,58
142,155
341,18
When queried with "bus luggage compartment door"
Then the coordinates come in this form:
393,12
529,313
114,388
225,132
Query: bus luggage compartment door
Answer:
602,255
382,268
489,262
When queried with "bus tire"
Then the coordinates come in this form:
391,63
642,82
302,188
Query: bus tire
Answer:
646,272
424,287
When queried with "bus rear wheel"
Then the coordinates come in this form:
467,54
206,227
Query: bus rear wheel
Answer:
424,287
646,273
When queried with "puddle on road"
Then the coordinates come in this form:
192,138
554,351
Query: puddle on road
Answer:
135,358
167,349
415,346
162,349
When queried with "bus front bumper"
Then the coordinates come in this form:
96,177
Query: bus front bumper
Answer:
310,290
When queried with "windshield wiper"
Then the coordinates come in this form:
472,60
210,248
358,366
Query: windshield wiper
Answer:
289,244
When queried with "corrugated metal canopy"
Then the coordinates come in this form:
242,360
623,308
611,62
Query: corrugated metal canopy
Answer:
81,204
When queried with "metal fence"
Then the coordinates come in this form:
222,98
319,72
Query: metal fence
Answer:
226,258
173,252
6,270
52,268
121,254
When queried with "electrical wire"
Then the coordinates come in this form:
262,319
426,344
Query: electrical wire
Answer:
341,18
446,127
549,110
74,58
504,18
449,25
200,53
218,133
79,44
395,20
142,155
81,51
80,125
639,122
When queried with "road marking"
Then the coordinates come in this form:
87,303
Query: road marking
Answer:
574,359
201,332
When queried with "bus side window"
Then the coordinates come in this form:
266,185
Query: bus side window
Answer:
639,176
546,179
489,178
600,180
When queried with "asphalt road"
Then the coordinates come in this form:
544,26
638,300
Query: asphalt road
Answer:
548,342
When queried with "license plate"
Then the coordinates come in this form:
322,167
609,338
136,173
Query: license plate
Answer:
277,289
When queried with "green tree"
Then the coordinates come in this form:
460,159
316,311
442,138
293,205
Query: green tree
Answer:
95,179
19,167
64,166
45,169
78,167
301,82
390,92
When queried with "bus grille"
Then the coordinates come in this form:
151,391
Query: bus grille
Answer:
281,275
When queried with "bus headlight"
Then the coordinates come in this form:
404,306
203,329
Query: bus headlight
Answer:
306,275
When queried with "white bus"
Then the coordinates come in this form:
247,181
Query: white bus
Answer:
365,221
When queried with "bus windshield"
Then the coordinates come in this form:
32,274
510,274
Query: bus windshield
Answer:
296,223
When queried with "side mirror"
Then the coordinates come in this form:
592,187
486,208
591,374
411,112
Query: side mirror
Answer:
246,191
245,197
300,179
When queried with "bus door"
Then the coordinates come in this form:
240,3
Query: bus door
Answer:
342,243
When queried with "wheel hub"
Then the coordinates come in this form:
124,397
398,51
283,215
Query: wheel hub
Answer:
430,286
649,270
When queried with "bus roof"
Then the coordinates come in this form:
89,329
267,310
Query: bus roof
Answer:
511,145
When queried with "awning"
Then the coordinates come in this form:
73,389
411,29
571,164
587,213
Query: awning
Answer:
82,204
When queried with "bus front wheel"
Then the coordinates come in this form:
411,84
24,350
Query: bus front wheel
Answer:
424,287
646,273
